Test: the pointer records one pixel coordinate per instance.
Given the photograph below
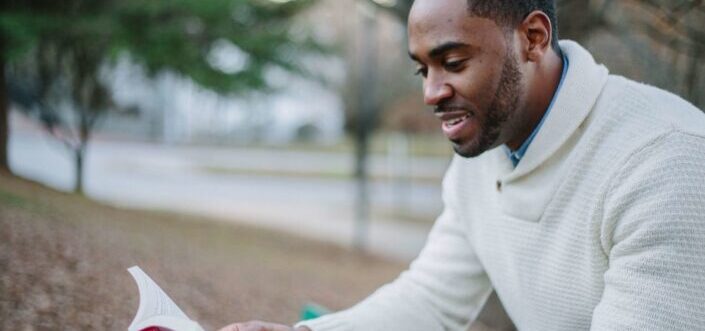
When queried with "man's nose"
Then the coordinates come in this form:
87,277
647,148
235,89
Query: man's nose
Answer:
435,90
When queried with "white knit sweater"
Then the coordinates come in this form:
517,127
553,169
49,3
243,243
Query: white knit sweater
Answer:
601,226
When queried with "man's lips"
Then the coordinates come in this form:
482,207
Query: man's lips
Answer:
453,117
454,122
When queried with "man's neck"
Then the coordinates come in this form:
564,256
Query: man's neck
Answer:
541,90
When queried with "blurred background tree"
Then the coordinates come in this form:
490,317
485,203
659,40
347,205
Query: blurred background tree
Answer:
56,54
656,41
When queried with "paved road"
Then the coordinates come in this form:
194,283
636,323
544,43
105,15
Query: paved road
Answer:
177,178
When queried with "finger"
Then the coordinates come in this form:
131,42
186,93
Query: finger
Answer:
231,327
253,326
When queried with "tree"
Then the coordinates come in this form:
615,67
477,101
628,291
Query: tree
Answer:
61,87
363,100
4,166
63,45
19,31
668,36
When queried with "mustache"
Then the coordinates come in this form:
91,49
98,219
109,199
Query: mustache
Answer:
446,107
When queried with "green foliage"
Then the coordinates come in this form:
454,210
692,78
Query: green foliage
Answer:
176,35
179,34
11,200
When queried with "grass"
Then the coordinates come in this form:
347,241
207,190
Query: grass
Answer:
63,259
12,200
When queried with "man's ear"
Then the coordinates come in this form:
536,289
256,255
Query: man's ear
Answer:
536,32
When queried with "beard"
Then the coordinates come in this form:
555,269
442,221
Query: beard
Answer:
500,112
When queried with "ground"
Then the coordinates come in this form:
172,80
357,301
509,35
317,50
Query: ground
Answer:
63,261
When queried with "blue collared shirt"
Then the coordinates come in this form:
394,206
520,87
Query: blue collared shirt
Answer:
515,156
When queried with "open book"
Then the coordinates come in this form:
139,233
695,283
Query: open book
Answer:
157,312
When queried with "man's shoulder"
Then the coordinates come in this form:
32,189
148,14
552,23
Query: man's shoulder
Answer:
638,123
649,109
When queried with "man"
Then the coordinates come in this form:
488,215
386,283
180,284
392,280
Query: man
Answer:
577,196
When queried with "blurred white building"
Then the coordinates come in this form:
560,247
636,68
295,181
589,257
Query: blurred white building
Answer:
173,109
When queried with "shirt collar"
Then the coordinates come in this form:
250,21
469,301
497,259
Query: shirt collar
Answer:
515,156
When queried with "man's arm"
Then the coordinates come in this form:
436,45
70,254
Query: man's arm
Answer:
443,289
654,236
261,326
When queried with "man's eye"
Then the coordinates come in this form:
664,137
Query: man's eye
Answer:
453,65
421,71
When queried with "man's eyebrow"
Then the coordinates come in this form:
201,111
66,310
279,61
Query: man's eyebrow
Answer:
441,49
446,47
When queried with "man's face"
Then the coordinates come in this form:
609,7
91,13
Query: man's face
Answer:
470,74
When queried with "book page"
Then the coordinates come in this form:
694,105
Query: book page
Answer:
155,304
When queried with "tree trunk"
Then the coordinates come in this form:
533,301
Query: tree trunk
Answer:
4,115
78,155
85,125
365,125
362,208
692,77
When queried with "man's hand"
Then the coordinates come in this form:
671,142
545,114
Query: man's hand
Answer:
261,326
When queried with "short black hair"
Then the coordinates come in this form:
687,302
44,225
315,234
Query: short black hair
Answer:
513,12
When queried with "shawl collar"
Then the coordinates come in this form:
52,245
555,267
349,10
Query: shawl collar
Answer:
529,188
582,86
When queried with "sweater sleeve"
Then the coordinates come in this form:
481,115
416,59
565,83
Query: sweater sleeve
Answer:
654,236
443,289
